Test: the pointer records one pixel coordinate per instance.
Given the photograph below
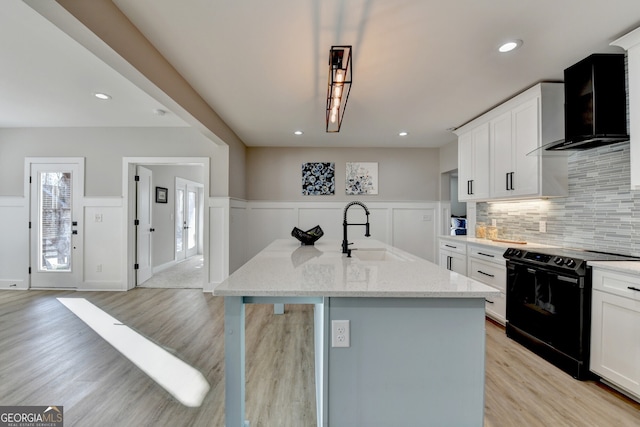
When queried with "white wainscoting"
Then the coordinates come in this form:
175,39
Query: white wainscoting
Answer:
14,249
217,249
411,226
238,230
238,252
103,233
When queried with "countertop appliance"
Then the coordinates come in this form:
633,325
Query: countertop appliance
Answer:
549,303
595,106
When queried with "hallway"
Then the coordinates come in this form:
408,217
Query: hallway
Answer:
187,274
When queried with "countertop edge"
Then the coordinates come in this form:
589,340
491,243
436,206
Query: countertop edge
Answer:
629,267
356,294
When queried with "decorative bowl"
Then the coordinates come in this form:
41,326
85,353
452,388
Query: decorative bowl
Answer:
308,237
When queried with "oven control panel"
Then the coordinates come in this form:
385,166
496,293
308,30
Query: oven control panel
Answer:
537,258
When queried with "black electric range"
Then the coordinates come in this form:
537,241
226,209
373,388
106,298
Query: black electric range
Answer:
549,303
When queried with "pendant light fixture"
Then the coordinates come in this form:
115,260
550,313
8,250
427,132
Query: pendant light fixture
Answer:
340,70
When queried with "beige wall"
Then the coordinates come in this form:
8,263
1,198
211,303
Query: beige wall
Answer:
449,156
103,149
405,174
103,29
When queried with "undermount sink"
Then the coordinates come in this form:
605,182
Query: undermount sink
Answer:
376,254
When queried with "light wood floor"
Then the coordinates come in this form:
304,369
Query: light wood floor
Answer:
50,357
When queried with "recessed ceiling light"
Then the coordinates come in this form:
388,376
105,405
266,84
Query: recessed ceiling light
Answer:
510,45
159,112
403,133
298,132
101,95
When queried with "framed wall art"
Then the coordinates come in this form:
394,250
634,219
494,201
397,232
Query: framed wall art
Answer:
362,178
161,195
318,179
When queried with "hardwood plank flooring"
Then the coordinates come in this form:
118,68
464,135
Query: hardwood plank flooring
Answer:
50,357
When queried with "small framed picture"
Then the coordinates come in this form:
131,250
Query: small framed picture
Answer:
161,195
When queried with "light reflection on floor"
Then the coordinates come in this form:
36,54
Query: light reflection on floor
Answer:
182,381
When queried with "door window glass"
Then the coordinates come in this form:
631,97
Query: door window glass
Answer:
180,221
55,221
192,220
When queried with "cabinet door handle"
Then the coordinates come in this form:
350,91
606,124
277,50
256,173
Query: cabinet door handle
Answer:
486,274
633,288
506,185
511,181
471,186
490,302
449,246
489,255
449,263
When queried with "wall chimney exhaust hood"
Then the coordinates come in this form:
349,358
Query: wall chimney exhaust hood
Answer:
595,108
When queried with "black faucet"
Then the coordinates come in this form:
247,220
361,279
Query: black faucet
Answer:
345,241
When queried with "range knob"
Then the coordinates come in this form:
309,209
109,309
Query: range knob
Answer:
558,260
570,263
518,252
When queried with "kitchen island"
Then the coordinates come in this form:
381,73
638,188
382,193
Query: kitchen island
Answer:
415,333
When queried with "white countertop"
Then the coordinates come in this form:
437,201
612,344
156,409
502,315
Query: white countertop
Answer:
491,243
285,268
631,267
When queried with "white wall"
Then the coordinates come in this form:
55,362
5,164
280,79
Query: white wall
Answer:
411,226
14,249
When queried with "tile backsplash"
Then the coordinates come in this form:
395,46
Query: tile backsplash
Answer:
600,212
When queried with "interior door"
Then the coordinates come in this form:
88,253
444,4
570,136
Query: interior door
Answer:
144,225
56,225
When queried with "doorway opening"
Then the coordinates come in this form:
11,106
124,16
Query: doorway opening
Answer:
454,212
168,266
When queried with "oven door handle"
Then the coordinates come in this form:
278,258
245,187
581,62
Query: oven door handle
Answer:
572,280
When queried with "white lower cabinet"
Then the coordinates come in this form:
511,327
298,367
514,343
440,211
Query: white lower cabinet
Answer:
484,263
487,265
615,329
453,256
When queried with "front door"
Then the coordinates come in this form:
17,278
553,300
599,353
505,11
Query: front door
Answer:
56,224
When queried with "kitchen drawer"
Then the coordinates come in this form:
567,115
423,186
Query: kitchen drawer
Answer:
624,285
493,255
450,246
496,308
488,273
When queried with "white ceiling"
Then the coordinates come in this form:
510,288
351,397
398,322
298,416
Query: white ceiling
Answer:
48,80
419,65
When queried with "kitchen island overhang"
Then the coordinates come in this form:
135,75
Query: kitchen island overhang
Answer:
417,332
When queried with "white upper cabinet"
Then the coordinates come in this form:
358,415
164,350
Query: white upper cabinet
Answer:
515,130
473,164
631,42
501,145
